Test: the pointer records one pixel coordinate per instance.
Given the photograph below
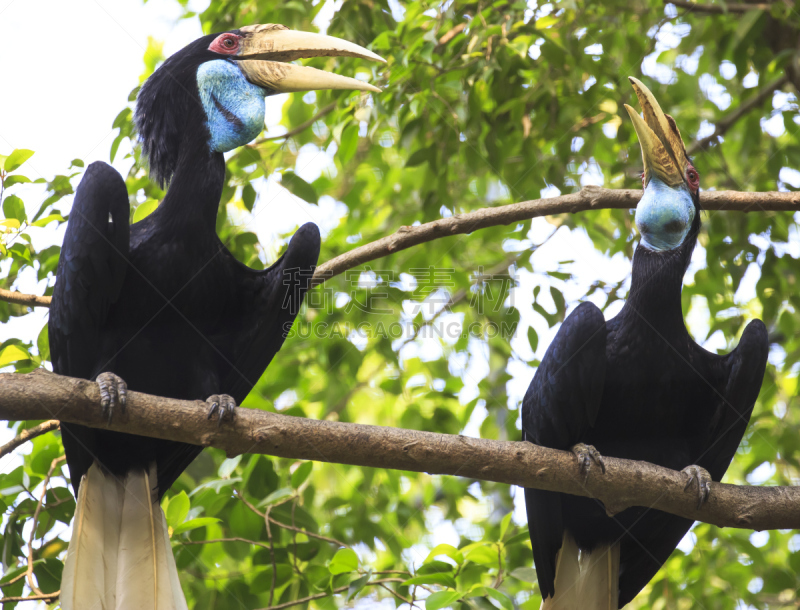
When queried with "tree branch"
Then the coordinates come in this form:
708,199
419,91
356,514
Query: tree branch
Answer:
626,483
725,123
301,127
28,434
20,298
588,198
719,8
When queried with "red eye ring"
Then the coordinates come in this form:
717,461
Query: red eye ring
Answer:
693,178
227,44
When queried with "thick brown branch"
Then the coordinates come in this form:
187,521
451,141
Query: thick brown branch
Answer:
725,123
588,198
626,483
719,8
28,434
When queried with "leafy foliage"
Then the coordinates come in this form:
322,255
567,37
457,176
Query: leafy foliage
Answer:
483,103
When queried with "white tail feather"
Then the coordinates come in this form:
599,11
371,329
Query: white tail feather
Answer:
120,556
585,581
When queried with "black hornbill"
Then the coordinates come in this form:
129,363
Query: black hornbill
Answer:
164,306
636,387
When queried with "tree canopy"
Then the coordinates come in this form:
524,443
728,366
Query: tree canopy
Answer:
483,104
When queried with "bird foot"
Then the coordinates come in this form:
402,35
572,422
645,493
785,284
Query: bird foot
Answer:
586,454
703,478
113,392
224,405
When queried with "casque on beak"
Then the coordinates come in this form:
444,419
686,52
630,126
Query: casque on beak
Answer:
265,49
663,152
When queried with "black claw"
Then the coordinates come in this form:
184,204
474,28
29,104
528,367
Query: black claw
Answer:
222,404
703,478
113,392
586,454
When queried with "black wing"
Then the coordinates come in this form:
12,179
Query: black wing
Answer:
653,538
746,365
89,278
559,406
269,301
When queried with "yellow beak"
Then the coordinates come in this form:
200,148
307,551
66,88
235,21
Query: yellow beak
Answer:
663,152
267,47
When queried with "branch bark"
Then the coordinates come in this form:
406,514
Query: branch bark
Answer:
588,198
626,483
719,8
725,123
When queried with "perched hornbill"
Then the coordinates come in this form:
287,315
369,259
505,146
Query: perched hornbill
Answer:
164,306
636,387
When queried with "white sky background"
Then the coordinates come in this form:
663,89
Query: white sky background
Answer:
68,67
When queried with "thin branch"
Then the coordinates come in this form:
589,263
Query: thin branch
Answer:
718,8
725,123
300,128
29,434
20,298
45,483
246,540
303,600
291,528
626,483
588,198
395,593
51,597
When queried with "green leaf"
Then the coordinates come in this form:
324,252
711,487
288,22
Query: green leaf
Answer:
357,585
17,158
277,496
192,524
441,599
533,339
43,343
228,466
301,474
447,550
12,353
144,209
481,553
297,186
345,560
47,220
178,509
502,598
525,574
418,157
16,179
348,144
504,525
14,208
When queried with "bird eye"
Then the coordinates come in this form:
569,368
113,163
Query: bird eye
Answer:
693,178
226,43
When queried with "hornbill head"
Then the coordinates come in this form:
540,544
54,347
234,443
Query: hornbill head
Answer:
216,87
669,209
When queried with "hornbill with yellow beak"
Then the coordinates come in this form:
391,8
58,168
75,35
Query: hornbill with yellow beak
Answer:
164,306
636,387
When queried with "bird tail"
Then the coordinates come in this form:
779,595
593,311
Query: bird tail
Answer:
119,557
585,580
